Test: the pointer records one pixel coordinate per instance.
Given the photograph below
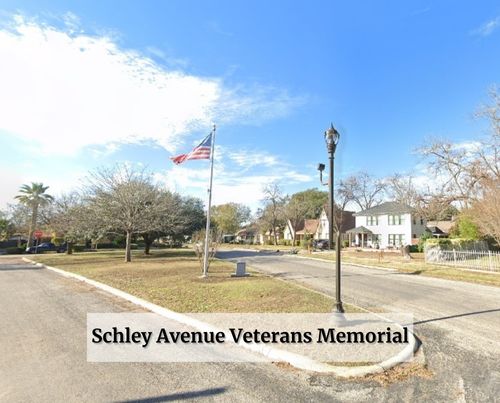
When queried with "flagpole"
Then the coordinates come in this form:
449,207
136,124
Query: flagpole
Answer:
207,230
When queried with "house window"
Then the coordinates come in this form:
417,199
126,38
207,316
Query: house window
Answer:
396,239
414,235
396,219
372,220
421,221
414,221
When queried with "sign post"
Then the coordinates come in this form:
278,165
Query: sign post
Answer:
37,234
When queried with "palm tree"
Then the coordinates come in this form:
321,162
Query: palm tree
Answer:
33,196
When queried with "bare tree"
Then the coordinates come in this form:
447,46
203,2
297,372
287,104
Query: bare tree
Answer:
271,216
199,246
363,189
456,167
489,153
125,201
463,168
343,196
485,212
69,219
295,210
400,188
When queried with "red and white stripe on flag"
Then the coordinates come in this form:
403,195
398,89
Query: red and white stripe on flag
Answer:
200,152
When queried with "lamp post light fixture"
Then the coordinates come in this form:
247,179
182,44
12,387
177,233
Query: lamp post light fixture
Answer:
332,137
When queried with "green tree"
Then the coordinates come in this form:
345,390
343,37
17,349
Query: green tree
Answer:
465,227
193,214
312,200
229,217
6,226
33,196
179,217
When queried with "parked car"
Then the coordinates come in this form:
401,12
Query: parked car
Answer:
62,248
43,247
320,244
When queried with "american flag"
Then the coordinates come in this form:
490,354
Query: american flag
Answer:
200,152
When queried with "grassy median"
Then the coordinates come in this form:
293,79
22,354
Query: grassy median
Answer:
170,278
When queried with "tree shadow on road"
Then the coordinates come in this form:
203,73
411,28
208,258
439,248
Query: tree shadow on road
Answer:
19,267
179,396
455,316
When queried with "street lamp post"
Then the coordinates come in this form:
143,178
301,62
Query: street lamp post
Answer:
332,137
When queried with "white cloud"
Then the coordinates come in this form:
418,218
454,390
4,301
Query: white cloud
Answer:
63,90
467,146
28,172
487,28
248,158
229,183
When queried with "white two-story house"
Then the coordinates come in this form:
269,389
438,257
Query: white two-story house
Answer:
387,225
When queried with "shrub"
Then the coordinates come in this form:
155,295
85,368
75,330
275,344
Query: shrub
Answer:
78,248
465,229
415,248
345,244
14,250
106,245
423,238
119,241
456,243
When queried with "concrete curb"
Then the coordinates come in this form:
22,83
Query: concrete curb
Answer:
293,359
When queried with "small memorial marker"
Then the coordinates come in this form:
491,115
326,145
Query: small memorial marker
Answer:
240,270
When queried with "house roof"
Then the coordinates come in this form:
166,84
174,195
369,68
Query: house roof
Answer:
386,208
310,227
359,230
435,230
444,226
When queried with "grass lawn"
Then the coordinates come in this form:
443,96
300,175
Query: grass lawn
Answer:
170,278
416,266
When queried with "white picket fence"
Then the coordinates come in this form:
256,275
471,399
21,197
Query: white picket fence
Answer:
468,259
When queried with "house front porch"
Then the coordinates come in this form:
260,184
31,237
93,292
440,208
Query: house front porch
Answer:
362,237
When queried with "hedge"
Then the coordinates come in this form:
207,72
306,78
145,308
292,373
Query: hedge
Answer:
456,243
14,250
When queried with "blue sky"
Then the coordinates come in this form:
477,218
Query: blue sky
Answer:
88,84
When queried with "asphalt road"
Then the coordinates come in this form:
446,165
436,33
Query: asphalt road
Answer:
459,323
43,359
